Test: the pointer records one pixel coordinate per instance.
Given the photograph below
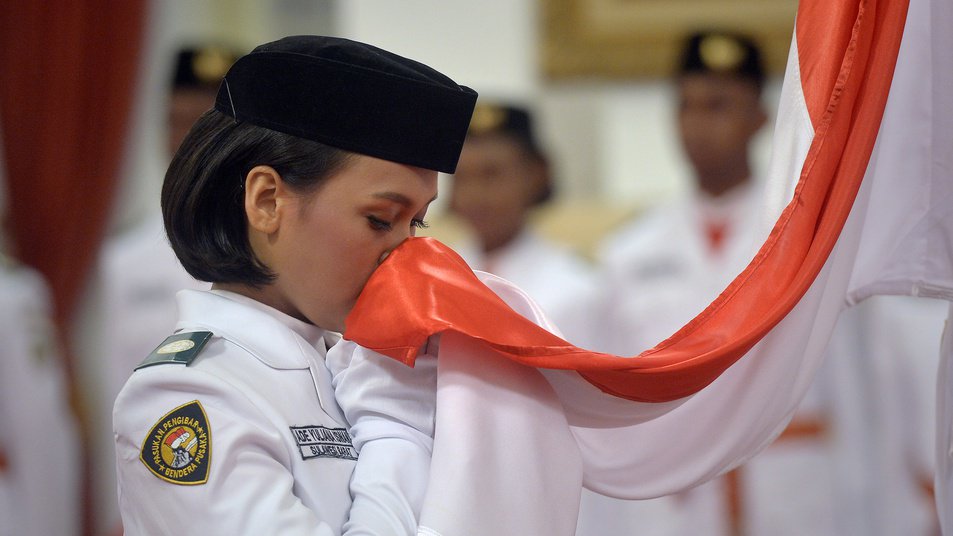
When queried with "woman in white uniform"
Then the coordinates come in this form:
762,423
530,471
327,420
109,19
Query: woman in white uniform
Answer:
320,156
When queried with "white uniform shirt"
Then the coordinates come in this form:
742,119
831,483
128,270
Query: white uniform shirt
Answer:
662,272
278,456
391,409
39,474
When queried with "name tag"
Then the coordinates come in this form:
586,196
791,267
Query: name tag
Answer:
323,442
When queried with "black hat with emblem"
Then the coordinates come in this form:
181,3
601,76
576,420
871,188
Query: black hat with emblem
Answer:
515,123
724,53
202,67
506,119
351,96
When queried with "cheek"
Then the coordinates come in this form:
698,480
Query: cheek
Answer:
330,278
350,259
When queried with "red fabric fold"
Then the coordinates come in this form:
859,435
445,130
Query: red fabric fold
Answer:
424,288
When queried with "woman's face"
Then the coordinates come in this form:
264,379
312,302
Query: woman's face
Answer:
328,242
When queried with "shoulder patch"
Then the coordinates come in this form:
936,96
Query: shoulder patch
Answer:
178,448
180,348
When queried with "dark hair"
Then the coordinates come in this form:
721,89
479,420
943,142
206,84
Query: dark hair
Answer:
203,192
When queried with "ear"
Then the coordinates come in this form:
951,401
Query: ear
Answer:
541,180
262,188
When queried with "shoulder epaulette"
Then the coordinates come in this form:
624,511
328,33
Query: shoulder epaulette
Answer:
181,348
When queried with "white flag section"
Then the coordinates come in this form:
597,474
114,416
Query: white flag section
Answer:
514,445
907,245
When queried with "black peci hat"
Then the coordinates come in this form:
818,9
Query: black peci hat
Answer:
202,67
516,123
722,52
351,96
501,118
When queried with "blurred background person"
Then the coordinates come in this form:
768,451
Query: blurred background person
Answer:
503,175
681,254
818,477
39,445
40,455
139,274
666,266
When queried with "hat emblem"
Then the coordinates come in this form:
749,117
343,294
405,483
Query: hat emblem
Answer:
211,64
486,118
721,53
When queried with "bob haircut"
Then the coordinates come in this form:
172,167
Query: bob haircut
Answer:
203,204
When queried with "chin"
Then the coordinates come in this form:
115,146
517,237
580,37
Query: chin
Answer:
328,323
336,324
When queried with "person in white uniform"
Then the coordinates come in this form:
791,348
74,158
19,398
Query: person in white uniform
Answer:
668,265
502,176
320,156
39,458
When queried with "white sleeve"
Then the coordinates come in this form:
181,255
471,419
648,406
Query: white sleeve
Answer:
249,488
390,408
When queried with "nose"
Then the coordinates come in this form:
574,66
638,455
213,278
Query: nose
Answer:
400,240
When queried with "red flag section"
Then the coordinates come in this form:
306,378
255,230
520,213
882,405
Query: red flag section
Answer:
848,55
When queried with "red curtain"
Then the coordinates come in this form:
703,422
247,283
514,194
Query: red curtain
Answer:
66,88
69,72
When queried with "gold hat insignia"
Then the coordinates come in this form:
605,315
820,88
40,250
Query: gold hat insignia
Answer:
486,118
211,64
721,53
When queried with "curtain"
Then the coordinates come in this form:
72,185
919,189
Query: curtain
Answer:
69,69
69,72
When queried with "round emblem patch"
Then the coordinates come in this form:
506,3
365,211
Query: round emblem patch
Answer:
176,347
178,449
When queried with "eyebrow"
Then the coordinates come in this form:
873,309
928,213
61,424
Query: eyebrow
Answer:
399,198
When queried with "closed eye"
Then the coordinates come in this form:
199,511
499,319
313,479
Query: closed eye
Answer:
382,225
378,224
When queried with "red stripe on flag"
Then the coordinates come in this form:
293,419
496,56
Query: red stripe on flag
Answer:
418,292
822,43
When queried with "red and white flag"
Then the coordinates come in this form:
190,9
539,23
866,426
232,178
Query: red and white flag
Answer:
860,201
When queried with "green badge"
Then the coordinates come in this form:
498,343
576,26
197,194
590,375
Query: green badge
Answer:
180,348
178,448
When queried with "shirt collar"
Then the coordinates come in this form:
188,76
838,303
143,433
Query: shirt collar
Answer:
276,339
727,206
